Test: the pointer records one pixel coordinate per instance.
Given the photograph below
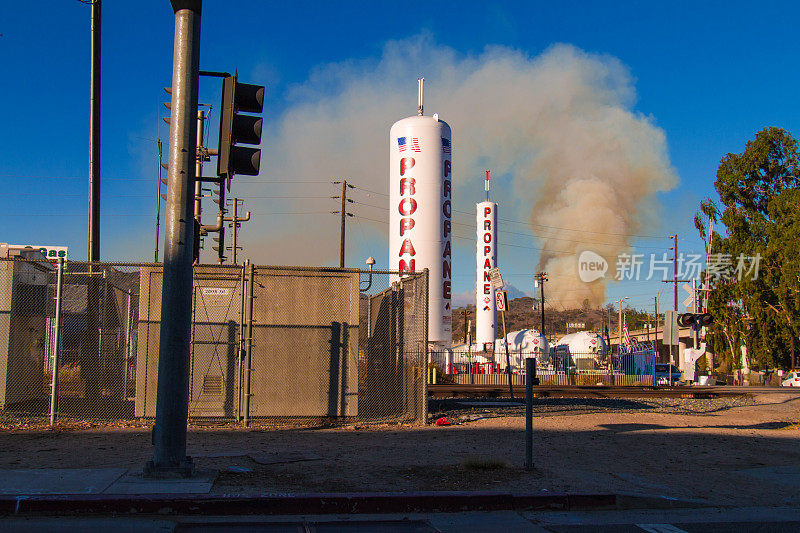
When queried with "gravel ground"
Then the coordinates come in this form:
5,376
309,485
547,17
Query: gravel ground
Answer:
732,451
460,410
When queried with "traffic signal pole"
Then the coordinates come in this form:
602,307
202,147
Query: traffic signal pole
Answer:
172,399
94,140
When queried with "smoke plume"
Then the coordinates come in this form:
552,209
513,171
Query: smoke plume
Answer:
570,155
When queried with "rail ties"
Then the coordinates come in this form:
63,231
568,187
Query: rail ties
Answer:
449,390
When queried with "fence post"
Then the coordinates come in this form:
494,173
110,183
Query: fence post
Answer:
530,377
129,293
241,349
56,342
249,346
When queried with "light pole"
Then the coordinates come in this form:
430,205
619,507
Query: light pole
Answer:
370,263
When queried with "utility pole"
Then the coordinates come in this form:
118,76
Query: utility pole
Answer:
172,401
675,281
94,139
619,338
343,212
235,225
675,269
341,232
465,325
90,355
655,307
695,305
540,278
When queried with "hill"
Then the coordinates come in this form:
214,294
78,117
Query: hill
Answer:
521,315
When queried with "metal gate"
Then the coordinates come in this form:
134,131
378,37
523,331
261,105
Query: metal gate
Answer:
216,336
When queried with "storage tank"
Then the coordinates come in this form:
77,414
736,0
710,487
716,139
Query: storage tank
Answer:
486,259
587,349
521,344
420,202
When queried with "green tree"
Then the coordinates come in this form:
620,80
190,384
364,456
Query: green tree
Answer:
755,300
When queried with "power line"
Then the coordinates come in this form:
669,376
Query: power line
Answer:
107,195
291,212
271,197
73,214
7,176
248,181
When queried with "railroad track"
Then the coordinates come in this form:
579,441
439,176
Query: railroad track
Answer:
448,390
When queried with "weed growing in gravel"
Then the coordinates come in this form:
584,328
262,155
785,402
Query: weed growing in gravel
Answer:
483,463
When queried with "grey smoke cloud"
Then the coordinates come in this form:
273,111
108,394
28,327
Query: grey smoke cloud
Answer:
558,130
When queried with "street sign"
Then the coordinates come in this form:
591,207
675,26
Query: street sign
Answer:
671,332
496,278
500,298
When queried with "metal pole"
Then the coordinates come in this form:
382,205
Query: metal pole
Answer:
94,139
508,358
695,305
620,321
675,304
240,351
172,400
530,376
465,324
675,271
655,315
541,293
469,353
198,169
158,199
249,354
341,232
56,343
127,345
234,224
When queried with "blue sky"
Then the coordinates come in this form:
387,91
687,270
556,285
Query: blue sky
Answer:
709,75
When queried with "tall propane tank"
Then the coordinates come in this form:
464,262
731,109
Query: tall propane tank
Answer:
421,210
486,259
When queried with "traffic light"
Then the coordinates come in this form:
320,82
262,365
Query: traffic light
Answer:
196,244
236,128
698,320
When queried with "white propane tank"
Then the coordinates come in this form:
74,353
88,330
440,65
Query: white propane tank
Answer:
521,344
420,206
586,348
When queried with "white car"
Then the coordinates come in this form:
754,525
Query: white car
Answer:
792,380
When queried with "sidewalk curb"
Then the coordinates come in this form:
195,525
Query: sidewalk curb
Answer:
300,504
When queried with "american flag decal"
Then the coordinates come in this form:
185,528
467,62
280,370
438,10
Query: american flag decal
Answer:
408,143
445,145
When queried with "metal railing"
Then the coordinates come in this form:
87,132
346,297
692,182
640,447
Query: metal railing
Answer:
555,367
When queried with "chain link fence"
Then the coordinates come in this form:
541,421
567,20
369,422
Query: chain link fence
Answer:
277,346
558,367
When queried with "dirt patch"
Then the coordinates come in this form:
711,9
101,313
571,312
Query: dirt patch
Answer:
677,448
